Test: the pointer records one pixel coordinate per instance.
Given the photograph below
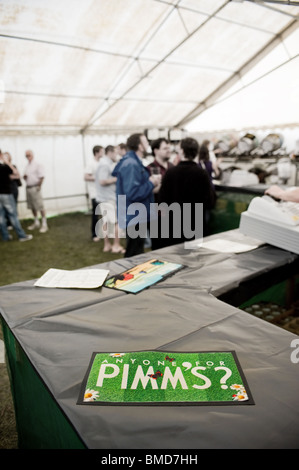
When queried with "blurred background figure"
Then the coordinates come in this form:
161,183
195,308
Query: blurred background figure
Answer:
89,177
135,183
15,183
7,202
34,176
186,183
161,151
207,160
121,151
106,197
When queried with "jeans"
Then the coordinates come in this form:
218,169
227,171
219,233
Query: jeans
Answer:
135,246
8,205
94,217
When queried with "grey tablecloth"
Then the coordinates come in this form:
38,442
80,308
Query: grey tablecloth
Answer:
59,329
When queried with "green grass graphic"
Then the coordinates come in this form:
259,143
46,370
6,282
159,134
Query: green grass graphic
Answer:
182,378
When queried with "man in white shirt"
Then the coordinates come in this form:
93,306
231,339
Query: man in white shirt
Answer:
34,177
89,177
106,197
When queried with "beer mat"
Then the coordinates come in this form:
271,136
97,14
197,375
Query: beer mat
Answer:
142,276
165,378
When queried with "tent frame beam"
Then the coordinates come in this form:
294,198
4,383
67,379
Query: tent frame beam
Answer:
276,2
96,116
213,97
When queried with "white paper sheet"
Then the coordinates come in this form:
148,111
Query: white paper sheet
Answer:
77,279
228,246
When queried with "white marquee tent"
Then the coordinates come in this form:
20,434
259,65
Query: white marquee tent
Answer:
75,74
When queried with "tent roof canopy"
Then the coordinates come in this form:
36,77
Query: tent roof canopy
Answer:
122,64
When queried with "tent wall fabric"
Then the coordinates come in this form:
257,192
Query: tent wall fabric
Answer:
63,190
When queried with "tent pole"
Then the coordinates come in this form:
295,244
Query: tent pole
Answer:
84,165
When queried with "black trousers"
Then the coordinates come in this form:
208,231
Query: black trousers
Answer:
94,217
135,245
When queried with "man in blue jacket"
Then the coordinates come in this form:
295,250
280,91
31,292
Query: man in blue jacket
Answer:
134,191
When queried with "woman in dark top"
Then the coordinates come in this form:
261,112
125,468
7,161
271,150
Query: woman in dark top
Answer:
204,158
205,162
186,183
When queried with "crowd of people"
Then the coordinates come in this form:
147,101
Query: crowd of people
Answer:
10,181
128,197
123,183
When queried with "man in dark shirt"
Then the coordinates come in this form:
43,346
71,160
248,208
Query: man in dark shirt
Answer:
7,202
186,185
161,151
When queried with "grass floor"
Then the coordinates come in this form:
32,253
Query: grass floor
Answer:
67,245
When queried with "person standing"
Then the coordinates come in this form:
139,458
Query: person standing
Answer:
34,177
15,182
89,177
135,192
7,202
106,197
186,183
162,152
205,161
121,151
15,179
